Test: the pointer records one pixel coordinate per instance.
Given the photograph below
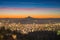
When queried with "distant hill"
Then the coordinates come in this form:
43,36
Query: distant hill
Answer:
30,20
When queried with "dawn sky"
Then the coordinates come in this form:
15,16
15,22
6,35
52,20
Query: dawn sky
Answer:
34,8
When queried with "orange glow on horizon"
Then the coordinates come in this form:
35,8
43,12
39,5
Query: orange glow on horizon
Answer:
34,16
33,12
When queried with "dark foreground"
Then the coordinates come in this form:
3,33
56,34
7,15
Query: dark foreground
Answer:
37,35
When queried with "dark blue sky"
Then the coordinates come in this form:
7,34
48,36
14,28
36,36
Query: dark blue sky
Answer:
30,3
